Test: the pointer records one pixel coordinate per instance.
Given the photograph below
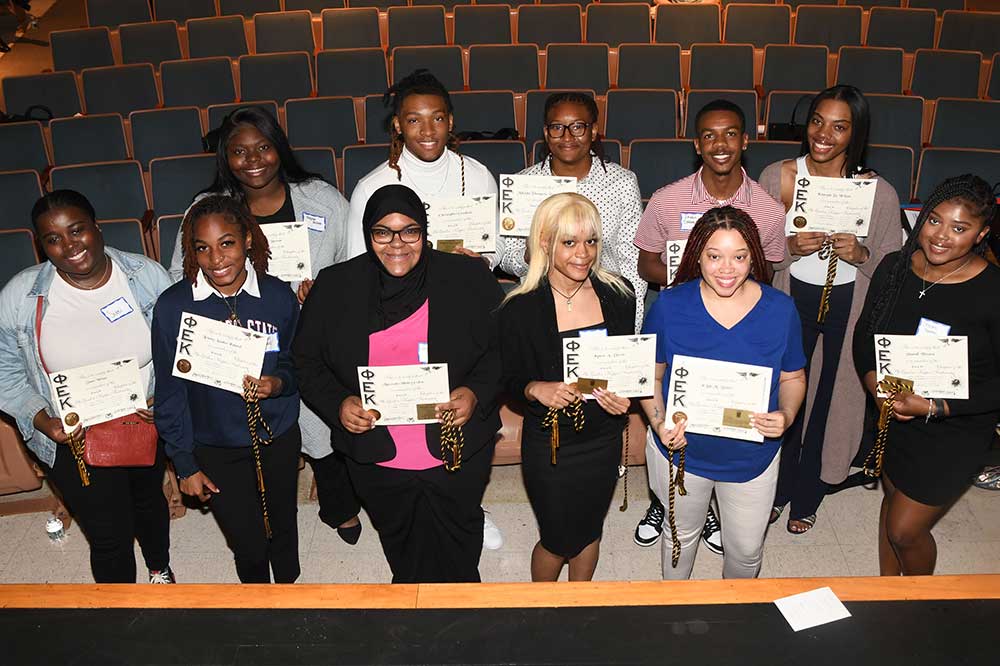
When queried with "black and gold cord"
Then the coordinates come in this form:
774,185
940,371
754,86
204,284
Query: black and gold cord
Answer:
573,411
452,441
76,445
624,505
872,467
255,421
831,275
675,485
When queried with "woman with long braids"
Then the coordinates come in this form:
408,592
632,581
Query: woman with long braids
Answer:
207,431
820,445
938,284
720,307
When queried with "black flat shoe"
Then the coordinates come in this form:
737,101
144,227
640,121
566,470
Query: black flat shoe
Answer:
350,535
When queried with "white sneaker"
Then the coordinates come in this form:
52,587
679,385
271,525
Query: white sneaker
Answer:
492,536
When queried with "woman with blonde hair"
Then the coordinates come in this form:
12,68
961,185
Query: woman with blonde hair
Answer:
565,294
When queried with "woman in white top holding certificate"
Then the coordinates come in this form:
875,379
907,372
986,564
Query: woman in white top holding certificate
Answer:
720,309
827,275
939,289
88,304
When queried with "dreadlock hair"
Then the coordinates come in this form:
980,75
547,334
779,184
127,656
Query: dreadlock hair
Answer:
588,103
976,195
860,122
235,213
725,217
290,170
418,82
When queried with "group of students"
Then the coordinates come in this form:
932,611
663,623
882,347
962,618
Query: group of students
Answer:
381,295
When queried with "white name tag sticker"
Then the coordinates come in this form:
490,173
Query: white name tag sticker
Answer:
688,220
314,222
117,309
931,327
272,343
594,333
422,353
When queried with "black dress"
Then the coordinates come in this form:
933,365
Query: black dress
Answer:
571,498
933,463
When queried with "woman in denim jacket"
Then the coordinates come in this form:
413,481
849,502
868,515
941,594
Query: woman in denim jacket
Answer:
86,304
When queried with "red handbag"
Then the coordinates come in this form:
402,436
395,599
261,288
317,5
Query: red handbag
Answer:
127,441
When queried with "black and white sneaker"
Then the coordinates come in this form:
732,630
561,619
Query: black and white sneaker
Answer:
161,577
711,534
649,529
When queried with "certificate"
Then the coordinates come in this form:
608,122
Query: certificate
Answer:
521,195
404,394
289,243
469,222
717,397
93,394
622,364
831,205
937,366
217,354
672,256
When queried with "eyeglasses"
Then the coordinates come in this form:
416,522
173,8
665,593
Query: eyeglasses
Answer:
384,236
577,129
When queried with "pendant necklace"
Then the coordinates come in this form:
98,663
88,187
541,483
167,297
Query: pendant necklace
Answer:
233,318
923,280
569,299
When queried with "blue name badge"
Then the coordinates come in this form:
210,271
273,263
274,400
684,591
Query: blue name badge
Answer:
314,222
594,333
272,343
117,309
931,327
688,220
422,354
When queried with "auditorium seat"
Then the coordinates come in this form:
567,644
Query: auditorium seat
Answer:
112,13
871,4
497,156
351,72
796,4
198,82
783,104
445,62
482,24
176,180
971,31
503,67
314,6
149,42
940,6
416,26
794,67
687,24
759,25
115,189
321,121
657,162
319,160
376,117
359,160
247,8
23,147
535,111
721,66
352,28
216,36
483,111
582,3
278,32
124,235
81,48
937,164
381,5
895,164
745,99
511,3
649,66
165,133
909,29
449,5
828,26
182,10
17,252
871,69
90,138
761,154
122,89
218,112
275,76
641,114
940,73
896,120
613,24
19,190
542,25
993,85
165,235
577,66
966,123
56,90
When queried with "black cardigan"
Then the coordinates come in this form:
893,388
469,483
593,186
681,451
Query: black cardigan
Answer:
529,336
332,341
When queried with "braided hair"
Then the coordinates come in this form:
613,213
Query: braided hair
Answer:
977,196
724,217
235,213
586,101
419,82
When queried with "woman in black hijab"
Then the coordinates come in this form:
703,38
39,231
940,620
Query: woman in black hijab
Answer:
403,303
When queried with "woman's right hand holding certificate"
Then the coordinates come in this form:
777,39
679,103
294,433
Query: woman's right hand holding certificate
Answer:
805,242
52,427
672,438
552,394
355,418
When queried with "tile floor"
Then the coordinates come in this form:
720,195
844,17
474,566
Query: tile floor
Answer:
841,544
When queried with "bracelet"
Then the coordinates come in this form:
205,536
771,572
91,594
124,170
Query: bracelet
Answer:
939,409
931,409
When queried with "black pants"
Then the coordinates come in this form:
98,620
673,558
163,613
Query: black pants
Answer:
802,454
237,506
337,501
121,505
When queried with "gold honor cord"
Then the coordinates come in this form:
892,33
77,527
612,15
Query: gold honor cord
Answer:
675,482
873,462
624,506
452,441
76,448
574,411
255,421
831,275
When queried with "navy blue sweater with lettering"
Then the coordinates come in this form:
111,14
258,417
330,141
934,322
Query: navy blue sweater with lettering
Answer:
189,414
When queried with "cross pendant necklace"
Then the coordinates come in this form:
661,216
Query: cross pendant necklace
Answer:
926,287
569,299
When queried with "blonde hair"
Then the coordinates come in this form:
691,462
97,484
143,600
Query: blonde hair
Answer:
551,225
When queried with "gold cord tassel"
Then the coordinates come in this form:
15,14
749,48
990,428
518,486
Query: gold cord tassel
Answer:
255,421
873,462
452,440
624,506
76,448
574,410
831,275
675,482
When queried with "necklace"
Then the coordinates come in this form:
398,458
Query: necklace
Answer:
233,318
923,280
569,299
100,282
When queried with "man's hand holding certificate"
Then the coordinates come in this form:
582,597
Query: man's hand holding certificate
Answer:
831,205
289,244
404,394
937,366
217,354
468,222
521,195
97,393
717,397
622,364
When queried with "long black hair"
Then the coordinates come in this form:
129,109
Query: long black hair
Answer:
860,124
289,170
418,82
588,103
976,194
61,199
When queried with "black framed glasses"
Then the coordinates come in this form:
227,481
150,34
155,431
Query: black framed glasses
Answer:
577,129
384,236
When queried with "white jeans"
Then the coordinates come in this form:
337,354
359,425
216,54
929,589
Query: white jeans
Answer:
744,509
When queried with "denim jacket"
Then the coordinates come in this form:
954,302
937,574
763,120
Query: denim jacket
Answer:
24,386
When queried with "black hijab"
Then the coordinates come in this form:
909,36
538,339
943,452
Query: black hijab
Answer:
395,298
